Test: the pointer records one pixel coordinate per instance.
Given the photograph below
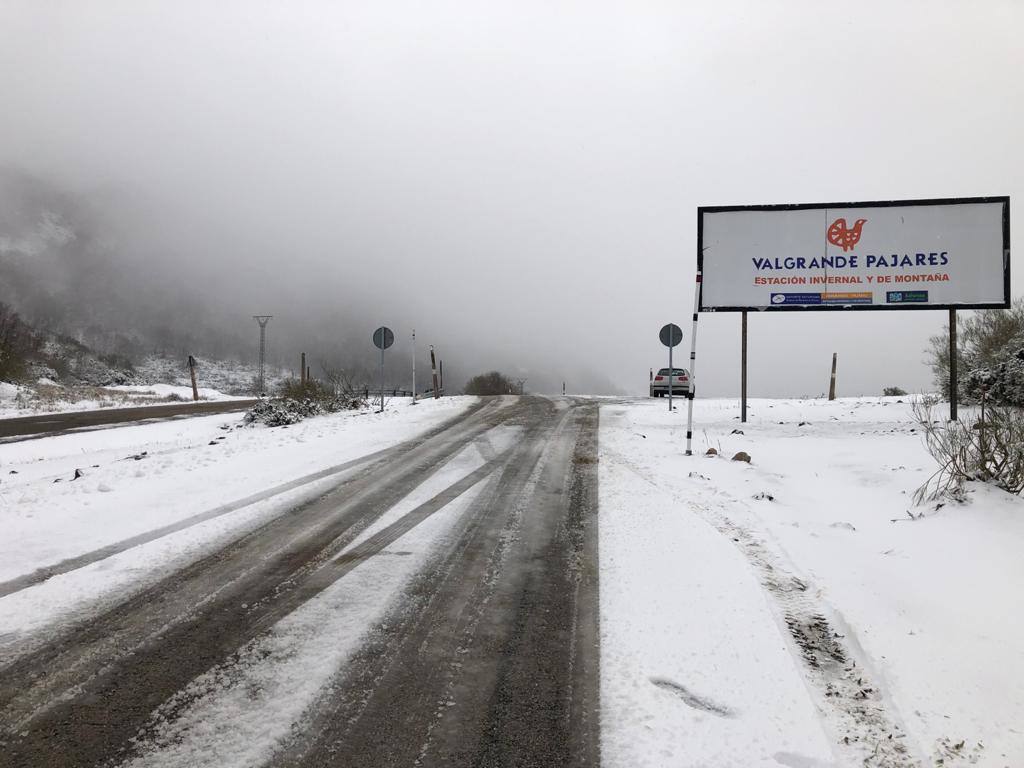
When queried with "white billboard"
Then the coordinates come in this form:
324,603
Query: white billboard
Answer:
901,254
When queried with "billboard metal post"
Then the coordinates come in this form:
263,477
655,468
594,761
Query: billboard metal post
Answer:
953,383
743,368
693,366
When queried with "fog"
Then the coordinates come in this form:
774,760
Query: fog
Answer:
516,181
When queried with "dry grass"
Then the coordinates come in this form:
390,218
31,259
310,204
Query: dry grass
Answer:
49,397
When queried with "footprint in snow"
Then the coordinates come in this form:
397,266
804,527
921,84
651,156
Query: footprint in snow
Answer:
691,699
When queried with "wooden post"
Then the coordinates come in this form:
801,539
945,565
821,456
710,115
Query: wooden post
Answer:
309,376
832,381
302,369
433,372
440,368
743,368
953,393
192,370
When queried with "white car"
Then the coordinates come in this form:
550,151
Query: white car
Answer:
680,378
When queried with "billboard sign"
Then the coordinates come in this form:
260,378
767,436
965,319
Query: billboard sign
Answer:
899,254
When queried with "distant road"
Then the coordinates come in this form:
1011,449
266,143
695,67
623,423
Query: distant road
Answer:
52,423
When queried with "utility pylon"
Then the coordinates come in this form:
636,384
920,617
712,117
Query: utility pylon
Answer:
262,320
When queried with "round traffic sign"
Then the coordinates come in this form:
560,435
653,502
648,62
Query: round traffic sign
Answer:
671,335
383,337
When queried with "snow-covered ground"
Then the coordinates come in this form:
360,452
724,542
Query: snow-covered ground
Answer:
772,613
171,490
47,397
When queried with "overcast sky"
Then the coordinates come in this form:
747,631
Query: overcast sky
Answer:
518,180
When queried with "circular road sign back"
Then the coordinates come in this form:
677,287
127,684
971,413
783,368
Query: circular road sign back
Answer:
670,335
383,337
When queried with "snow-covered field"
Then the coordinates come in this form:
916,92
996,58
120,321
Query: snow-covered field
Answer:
47,397
772,613
163,494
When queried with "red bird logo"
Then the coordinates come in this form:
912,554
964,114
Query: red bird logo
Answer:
839,235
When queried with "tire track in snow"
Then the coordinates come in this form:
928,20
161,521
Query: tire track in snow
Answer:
491,658
79,699
80,561
863,723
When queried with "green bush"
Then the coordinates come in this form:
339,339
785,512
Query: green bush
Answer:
990,349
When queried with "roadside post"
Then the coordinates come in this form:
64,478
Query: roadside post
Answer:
414,366
433,371
192,370
670,335
832,381
383,338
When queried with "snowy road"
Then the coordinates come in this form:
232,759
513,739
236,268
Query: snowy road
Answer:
436,606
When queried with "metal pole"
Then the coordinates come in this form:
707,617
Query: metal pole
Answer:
693,369
743,368
414,366
440,366
670,374
262,320
952,365
832,381
382,374
302,369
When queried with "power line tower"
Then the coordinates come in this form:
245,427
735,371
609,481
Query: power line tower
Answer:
262,320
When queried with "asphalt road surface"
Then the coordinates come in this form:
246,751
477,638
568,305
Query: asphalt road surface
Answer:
55,423
500,625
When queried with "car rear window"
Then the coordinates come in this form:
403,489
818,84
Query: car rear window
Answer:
678,372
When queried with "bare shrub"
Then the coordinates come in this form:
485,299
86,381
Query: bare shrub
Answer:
341,382
893,392
493,383
986,447
310,389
